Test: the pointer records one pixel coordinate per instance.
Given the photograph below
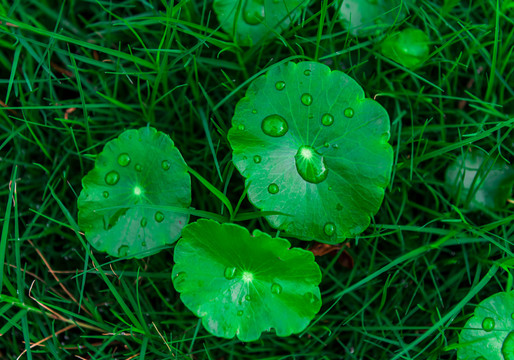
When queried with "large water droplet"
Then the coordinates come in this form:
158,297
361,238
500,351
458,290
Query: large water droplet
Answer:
143,222
165,164
257,159
306,99
310,165
253,12
137,167
274,125
276,289
240,313
488,324
348,112
508,347
273,188
123,250
230,273
280,85
329,229
327,119
124,159
105,194
159,216
112,178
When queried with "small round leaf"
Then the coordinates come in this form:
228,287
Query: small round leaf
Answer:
489,334
409,47
130,202
312,147
243,284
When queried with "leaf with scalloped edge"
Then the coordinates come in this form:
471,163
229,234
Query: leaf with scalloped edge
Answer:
251,21
312,147
135,199
243,284
489,334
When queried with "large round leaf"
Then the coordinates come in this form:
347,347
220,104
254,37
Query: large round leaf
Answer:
242,284
311,146
489,334
479,181
130,202
250,21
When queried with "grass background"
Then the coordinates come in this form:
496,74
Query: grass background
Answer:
75,74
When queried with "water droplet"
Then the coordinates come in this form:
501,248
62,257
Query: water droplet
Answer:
276,289
339,207
330,188
512,316
254,111
137,167
253,12
306,99
123,250
335,146
274,125
280,85
240,127
488,324
240,313
310,297
112,178
329,229
326,145
508,347
248,297
310,165
273,188
327,119
307,72
257,159
105,194
230,273
159,216
143,222
143,243
348,112
165,164
124,159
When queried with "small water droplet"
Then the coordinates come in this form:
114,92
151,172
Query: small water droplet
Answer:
248,297
257,159
327,119
339,207
276,289
230,273
143,243
307,72
240,313
105,194
348,112
326,145
165,164
143,222
310,297
159,216
123,250
330,188
240,127
253,12
137,167
488,324
273,188
280,85
112,178
274,125
124,159
254,111
306,99
329,229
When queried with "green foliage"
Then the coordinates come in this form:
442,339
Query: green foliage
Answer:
242,284
133,201
312,147
409,47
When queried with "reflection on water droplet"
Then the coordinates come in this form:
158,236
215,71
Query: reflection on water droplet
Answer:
105,194
240,313
257,159
124,159
280,85
230,273
348,112
165,164
310,165
276,289
327,119
137,167
240,127
143,222
273,188
123,250
306,99
307,72
508,347
159,216
253,12
112,178
248,297
329,229
274,125
488,324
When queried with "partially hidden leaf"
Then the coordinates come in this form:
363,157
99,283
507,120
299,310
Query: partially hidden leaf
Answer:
243,284
489,334
312,147
409,47
135,199
251,21
478,181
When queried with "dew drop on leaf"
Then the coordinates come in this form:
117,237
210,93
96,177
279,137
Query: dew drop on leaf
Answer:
508,347
254,111
143,243
273,188
230,273
326,145
307,72
276,289
280,85
248,297
257,159
329,229
306,99
112,178
310,165
240,313
138,168
165,164
105,194
488,324
274,125
124,159
253,12
123,250
159,216
143,222
310,297
348,112
240,127
327,119
339,207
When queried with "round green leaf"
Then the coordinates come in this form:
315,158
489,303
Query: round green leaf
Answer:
489,334
479,181
243,284
408,47
367,17
130,202
312,147
250,21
